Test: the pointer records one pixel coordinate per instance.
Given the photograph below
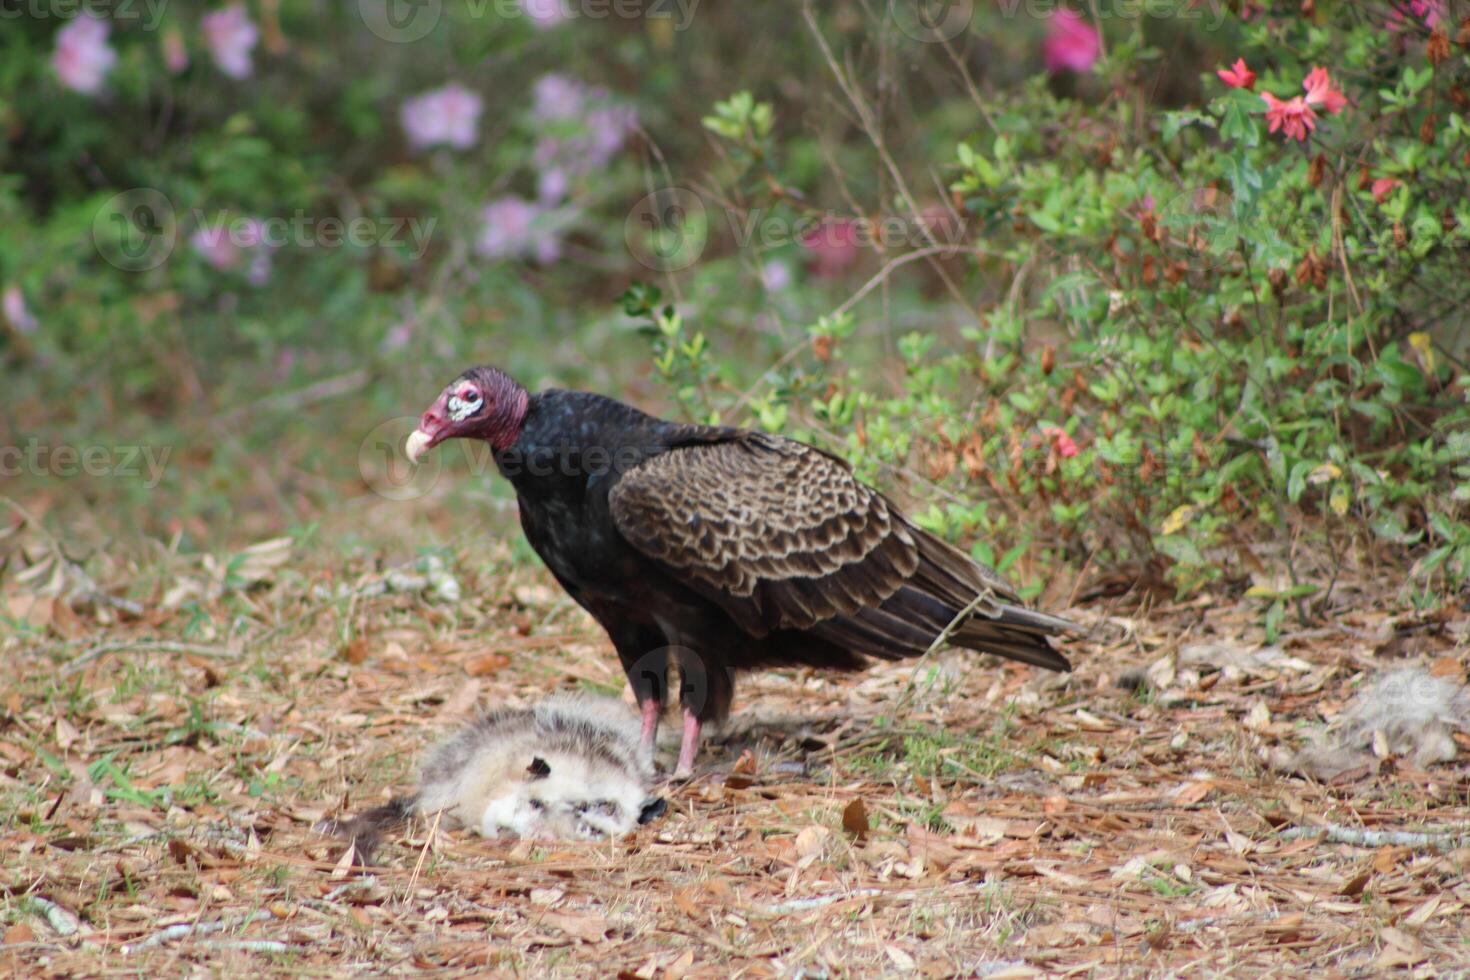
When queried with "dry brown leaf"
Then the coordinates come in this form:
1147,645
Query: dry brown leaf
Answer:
19,933
587,928
486,664
855,819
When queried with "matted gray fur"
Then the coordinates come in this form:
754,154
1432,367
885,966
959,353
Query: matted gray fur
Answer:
568,768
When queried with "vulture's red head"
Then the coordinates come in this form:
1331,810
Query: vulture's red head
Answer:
483,403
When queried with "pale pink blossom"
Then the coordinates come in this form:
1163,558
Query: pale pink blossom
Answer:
1428,12
448,116
1237,75
546,14
1320,92
14,307
587,129
83,58
516,228
1382,187
175,55
1062,442
236,245
555,97
1072,44
231,36
833,246
776,276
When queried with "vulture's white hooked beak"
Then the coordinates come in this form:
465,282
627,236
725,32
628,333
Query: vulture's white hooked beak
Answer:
418,443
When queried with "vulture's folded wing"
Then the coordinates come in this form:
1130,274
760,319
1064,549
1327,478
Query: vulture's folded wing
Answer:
782,536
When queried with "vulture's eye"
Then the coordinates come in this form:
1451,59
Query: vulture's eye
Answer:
464,404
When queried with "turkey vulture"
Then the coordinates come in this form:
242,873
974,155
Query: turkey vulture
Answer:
723,549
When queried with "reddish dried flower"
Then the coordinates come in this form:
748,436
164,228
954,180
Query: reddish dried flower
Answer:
1317,169
1438,49
1237,75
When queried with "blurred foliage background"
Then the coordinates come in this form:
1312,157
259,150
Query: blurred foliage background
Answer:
1101,313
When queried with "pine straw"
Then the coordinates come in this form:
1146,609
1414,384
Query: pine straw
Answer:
1016,823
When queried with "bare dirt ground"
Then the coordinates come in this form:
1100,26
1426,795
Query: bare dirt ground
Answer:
163,761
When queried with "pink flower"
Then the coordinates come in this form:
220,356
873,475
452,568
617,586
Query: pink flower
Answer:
1294,117
1072,44
1237,75
1430,12
231,37
556,97
517,228
545,14
82,58
833,246
448,116
1382,187
13,305
1321,93
175,55
230,243
1062,442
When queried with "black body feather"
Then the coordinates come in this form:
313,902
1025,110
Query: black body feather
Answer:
723,550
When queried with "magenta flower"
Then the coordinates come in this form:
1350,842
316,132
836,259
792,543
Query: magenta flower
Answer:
517,228
231,36
448,116
13,305
1237,75
83,58
545,14
1072,44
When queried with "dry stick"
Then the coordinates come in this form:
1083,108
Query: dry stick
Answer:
424,852
163,646
192,929
1335,834
806,904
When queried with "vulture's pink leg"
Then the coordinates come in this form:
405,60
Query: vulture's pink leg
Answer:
651,710
689,748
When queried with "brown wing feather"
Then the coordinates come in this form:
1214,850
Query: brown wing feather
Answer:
783,537
780,533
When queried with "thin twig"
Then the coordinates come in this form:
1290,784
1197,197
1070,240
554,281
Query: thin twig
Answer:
162,646
806,904
1335,834
985,596
192,929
